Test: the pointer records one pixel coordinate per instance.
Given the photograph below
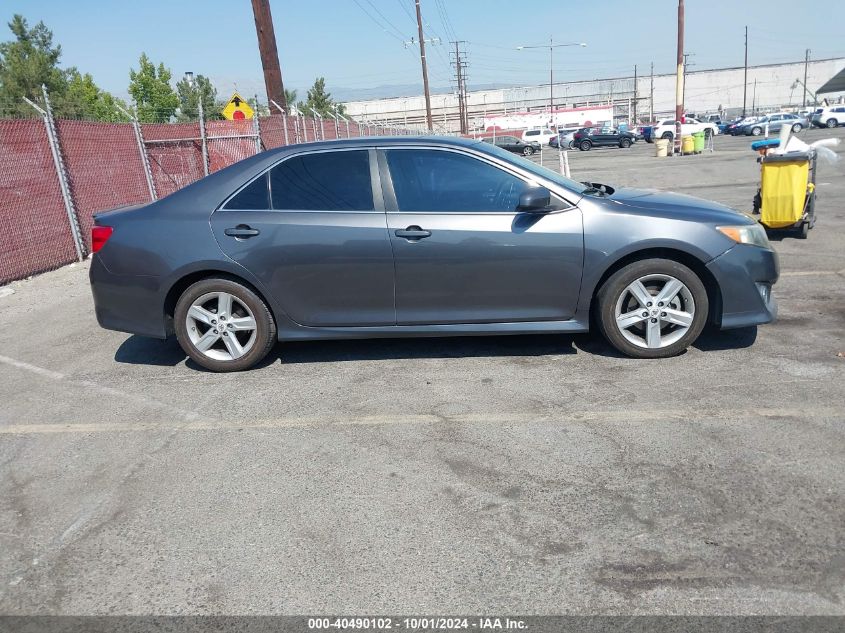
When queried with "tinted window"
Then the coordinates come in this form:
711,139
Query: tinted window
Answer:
431,180
532,133
254,196
323,181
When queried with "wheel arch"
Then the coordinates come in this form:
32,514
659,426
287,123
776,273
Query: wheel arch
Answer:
188,278
714,293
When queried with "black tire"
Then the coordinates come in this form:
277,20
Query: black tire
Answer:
668,136
803,230
528,151
831,122
797,127
756,131
571,144
625,143
585,146
265,330
615,287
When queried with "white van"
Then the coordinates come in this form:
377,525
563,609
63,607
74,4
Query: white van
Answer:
540,135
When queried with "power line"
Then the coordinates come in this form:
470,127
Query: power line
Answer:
379,24
388,22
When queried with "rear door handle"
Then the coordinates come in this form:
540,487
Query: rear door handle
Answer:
412,233
242,231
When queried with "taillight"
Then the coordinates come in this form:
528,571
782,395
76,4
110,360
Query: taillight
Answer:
99,236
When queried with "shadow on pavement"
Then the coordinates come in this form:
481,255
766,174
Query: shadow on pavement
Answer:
140,350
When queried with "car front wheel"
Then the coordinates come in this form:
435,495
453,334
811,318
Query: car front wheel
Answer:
528,151
585,146
797,127
652,308
667,135
625,143
756,131
223,325
832,123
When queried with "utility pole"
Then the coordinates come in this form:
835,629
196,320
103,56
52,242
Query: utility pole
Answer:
424,67
679,78
651,96
806,64
634,117
460,68
745,76
686,65
269,54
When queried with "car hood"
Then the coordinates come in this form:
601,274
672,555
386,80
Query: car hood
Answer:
676,205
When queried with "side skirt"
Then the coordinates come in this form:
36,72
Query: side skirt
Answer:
459,329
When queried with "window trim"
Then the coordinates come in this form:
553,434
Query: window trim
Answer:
375,183
391,204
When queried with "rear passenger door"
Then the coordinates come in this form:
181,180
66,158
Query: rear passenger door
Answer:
313,230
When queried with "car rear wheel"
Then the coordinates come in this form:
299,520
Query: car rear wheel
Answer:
571,144
223,325
832,123
667,135
527,151
652,308
625,143
797,127
585,146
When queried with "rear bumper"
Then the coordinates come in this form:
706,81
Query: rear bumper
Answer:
127,303
745,275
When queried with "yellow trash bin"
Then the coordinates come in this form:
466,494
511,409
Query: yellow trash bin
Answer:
661,147
687,144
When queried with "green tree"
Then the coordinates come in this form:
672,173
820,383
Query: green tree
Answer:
320,101
83,99
290,98
190,93
26,63
150,88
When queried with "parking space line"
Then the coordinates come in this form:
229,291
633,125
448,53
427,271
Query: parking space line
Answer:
571,417
93,386
811,273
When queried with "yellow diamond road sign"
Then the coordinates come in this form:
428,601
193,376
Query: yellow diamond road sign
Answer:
237,109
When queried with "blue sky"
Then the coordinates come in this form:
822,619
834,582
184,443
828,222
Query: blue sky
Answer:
358,43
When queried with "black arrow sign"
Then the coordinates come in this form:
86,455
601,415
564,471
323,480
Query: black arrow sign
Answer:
236,101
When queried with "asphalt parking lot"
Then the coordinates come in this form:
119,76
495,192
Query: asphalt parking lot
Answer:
542,475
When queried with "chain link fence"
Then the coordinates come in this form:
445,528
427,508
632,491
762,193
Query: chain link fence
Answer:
55,175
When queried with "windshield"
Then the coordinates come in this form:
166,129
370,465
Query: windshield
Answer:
534,168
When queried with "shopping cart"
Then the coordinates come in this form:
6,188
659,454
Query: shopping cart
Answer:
786,199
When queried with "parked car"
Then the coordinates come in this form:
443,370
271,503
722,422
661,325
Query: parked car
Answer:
290,244
588,138
564,138
541,135
725,127
513,144
831,116
735,128
774,122
666,128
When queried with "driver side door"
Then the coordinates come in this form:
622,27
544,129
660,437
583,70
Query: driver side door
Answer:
462,251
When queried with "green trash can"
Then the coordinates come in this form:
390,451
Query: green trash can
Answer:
698,142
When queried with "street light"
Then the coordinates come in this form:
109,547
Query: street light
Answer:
551,46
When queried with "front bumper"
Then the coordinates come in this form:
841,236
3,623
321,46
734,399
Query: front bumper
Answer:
127,303
745,275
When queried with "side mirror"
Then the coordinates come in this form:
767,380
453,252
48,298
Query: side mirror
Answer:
534,199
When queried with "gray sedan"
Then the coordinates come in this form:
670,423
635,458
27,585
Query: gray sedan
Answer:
775,122
404,236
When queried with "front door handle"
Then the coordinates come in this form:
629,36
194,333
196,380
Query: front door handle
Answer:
412,233
242,231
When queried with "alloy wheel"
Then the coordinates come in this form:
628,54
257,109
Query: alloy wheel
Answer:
654,311
221,326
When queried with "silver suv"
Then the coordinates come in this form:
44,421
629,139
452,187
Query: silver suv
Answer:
831,116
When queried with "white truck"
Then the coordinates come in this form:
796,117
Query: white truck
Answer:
665,128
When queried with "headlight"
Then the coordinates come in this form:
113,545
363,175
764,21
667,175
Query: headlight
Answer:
746,234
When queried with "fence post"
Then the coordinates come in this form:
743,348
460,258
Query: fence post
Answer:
256,126
55,149
142,150
203,137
